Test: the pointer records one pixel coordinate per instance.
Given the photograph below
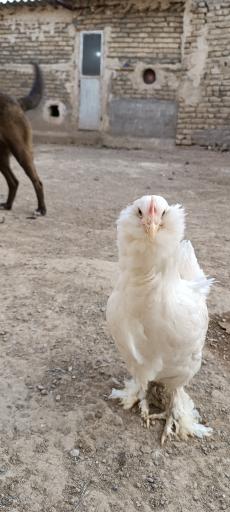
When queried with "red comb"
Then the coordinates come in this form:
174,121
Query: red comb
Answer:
152,208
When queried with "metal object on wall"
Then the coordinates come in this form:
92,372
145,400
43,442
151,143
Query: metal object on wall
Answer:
143,117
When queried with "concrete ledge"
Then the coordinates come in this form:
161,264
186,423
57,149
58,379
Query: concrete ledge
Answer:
214,138
51,137
89,138
137,143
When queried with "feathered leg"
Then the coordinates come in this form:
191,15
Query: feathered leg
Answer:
130,395
144,407
182,418
147,418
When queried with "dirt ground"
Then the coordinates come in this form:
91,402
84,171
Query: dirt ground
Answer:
65,447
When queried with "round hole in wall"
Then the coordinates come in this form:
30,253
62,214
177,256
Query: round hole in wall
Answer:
54,110
149,76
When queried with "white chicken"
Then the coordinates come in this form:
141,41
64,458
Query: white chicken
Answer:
157,313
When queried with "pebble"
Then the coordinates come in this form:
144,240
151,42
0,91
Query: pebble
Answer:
114,488
75,452
58,398
115,381
70,369
212,506
72,501
98,414
150,479
117,420
89,416
224,147
146,449
44,392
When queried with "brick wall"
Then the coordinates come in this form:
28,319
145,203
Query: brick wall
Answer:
136,39
41,35
187,44
155,41
204,96
152,39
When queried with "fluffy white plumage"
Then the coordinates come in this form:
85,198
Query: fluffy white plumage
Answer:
157,313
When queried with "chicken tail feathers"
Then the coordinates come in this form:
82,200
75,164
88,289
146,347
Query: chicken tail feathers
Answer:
191,271
203,284
189,267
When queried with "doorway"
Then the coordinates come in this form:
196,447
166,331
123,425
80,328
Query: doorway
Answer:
90,80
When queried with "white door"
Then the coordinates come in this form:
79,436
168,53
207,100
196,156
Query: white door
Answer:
90,80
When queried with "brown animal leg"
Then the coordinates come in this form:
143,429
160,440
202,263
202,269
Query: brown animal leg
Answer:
12,182
25,159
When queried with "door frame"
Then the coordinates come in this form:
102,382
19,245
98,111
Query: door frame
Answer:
91,77
82,32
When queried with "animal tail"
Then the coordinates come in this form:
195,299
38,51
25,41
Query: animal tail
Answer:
186,417
189,267
34,97
203,285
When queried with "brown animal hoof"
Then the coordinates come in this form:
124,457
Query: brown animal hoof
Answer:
5,206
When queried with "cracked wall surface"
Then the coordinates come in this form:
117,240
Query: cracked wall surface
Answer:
204,92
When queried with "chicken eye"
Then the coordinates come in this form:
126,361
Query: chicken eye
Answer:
140,213
163,213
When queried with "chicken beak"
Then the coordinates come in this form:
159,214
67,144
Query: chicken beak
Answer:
149,224
150,227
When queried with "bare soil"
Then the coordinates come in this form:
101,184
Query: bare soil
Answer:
65,447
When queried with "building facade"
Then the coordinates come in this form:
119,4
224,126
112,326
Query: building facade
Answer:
122,72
